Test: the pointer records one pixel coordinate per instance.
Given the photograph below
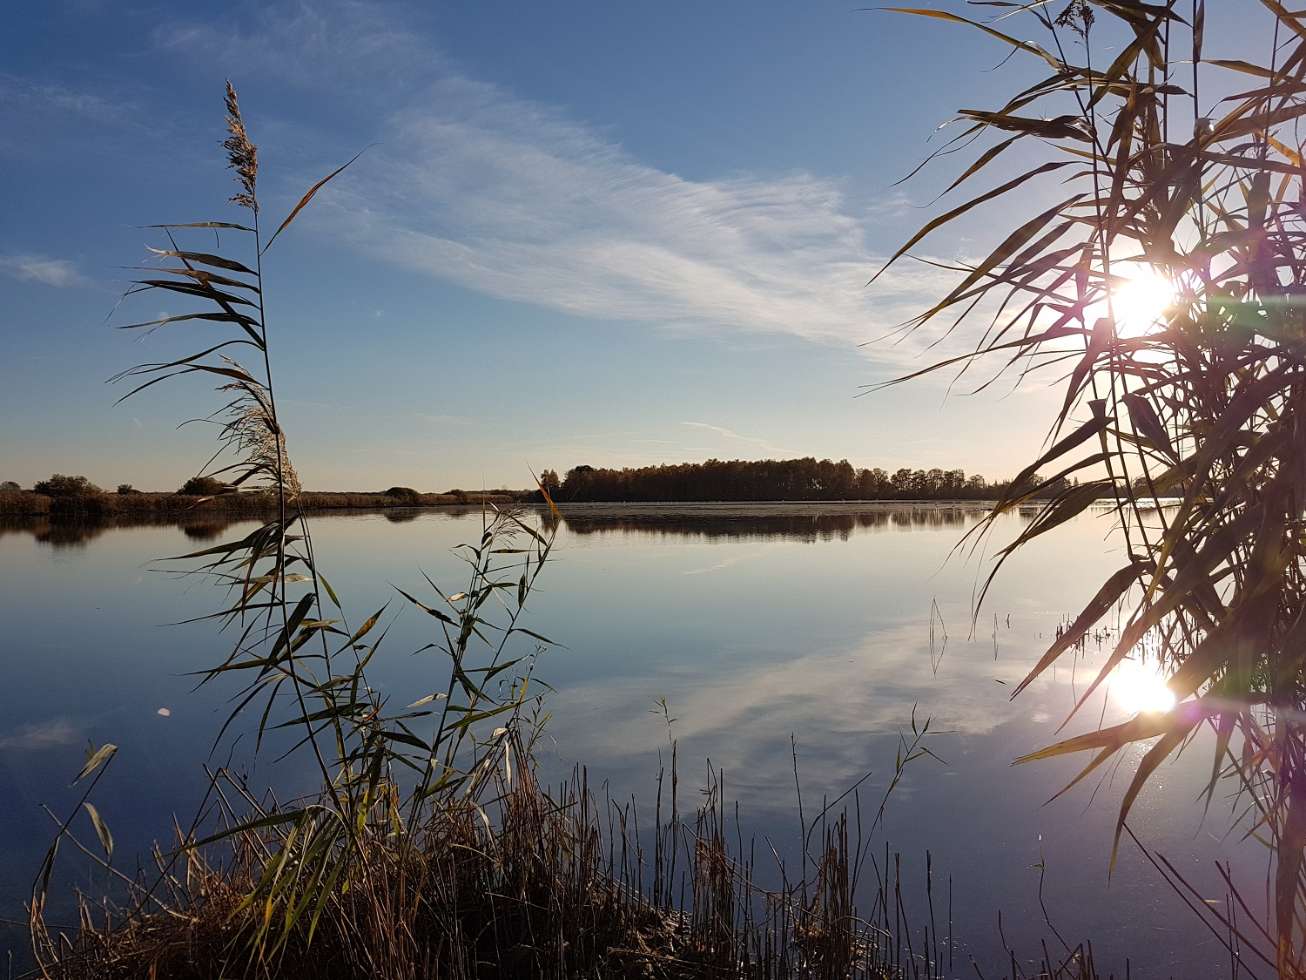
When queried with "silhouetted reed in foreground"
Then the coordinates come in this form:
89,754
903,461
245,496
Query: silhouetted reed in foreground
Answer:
1161,281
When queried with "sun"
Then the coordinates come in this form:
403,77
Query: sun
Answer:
1139,688
1140,300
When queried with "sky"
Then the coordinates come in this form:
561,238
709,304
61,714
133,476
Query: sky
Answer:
611,234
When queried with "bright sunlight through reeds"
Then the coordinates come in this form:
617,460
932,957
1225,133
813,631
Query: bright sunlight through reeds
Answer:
1138,687
1142,301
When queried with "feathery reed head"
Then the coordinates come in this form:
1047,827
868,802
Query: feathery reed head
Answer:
242,155
1078,16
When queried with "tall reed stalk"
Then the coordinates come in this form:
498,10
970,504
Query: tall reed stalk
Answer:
293,645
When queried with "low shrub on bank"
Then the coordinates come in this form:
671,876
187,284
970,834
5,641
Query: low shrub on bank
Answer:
203,486
66,486
23,503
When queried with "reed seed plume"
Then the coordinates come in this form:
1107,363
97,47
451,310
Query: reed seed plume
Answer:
242,154
255,437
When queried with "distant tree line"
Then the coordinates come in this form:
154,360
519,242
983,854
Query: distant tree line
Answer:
78,497
60,485
769,479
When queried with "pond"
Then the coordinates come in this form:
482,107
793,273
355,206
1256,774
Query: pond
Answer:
786,639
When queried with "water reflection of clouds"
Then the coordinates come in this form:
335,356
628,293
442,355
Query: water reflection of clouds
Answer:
836,699
726,562
41,735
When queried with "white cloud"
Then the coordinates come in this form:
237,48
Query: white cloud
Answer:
519,200
514,199
19,94
59,273
732,435
308,42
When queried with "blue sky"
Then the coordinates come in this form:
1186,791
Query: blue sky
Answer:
588,232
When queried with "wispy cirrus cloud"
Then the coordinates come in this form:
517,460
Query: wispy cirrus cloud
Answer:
311,42
60,273
28,95
514,199
517,199
733,436
81,103
443,419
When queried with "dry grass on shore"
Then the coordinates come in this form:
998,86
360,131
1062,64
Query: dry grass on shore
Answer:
517,881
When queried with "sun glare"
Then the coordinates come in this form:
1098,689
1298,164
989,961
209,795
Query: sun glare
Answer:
1141,300
1140,688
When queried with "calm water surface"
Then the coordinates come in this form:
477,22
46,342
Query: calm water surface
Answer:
755,623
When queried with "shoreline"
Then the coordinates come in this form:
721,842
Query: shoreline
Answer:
145,504
169,506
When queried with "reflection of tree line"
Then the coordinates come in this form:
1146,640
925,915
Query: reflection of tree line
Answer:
75,531
798,524
757,527
65,533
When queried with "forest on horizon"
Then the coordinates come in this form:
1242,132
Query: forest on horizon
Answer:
806,478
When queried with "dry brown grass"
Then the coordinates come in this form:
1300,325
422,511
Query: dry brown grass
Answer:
524,884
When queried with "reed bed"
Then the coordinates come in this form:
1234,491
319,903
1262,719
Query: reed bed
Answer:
527,881
521,882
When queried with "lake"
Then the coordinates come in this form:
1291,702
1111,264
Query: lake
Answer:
772,631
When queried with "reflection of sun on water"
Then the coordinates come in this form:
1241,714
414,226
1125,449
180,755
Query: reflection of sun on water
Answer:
1141,300
1140,687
